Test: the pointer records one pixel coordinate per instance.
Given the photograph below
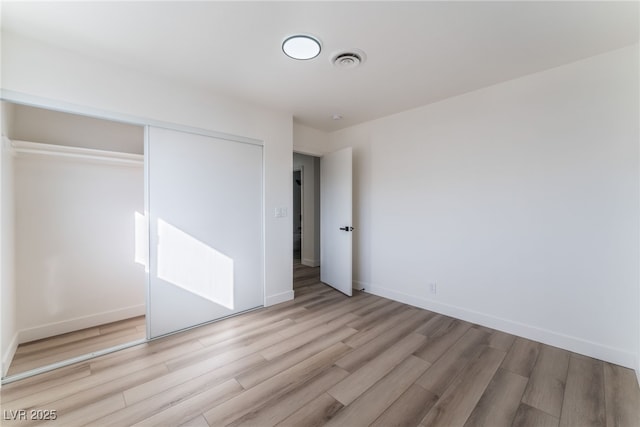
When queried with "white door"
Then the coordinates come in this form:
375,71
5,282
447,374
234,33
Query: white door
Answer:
205,223
336,220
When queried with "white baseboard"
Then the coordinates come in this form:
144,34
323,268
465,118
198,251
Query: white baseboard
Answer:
556,339
278,298
310,262
7,357
75,324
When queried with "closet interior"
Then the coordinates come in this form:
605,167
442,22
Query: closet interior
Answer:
73,236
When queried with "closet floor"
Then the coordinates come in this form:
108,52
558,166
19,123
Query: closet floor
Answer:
55,349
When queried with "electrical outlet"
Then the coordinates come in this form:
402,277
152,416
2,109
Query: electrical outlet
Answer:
432,288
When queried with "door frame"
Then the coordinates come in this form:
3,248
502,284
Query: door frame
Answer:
305,208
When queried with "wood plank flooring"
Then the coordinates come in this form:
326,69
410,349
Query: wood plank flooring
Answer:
36,354
326,359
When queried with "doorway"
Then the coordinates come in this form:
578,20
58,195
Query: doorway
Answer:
306,221
72,192
306,209
297,215
326,203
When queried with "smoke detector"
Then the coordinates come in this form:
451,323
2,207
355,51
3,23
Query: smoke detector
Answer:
348,59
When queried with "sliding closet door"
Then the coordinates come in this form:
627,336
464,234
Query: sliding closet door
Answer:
205,220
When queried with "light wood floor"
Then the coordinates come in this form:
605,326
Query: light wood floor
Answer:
36,354
328,359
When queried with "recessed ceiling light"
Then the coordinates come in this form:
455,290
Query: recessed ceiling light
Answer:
301,46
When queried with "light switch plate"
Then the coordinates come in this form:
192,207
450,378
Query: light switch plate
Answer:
280,212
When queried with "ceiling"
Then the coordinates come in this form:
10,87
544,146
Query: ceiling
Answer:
417,52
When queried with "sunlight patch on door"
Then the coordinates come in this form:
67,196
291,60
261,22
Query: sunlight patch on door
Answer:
141,248
194,266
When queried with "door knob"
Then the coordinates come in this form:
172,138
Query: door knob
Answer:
347,228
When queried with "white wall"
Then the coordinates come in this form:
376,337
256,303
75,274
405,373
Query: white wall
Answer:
310,167
40,70
54,127
521,201
75,242
309,141
9,336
